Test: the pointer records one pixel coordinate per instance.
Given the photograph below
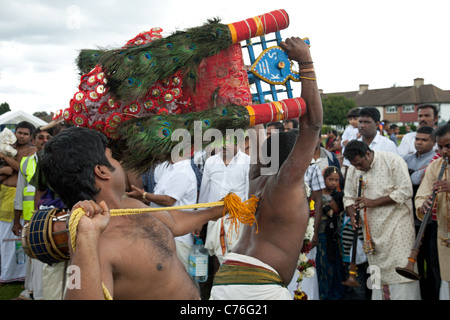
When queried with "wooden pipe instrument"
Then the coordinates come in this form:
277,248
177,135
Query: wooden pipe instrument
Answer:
408,270
351,280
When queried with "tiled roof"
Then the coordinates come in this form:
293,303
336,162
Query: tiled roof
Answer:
426,93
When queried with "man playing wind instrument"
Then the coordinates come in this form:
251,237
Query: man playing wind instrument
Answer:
386,217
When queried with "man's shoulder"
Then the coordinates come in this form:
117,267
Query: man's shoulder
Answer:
388,155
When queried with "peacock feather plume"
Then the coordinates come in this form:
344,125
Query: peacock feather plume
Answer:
149,140
133,70
87,60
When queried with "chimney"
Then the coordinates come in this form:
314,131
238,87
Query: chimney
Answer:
418,82
363,87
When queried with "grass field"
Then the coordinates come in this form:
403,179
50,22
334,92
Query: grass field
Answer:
11,290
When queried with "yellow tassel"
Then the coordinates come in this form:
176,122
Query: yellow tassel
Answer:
237,210
311,205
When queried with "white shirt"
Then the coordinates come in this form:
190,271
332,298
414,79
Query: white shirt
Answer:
217,181
379,143
407,144
220,179
349,134
179,182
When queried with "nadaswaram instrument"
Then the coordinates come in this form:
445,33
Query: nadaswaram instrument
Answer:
351,280
408,270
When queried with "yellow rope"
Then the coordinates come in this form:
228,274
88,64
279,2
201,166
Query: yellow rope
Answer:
237,210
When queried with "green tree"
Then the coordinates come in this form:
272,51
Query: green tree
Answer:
4,107
335,109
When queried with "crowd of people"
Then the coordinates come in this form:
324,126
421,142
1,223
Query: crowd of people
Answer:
146,256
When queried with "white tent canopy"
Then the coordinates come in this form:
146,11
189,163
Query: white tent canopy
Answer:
15,117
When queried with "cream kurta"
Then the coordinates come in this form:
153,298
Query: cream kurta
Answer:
392,226
442,212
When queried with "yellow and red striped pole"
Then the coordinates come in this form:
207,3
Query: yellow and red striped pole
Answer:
258,26
276,111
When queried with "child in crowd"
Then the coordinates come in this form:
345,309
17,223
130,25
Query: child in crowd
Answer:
330,268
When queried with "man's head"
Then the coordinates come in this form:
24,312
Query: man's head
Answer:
290,124
427,115
359,155
424,140
442,136
281,143
394,129
40,137
73,161
24,132
272,126
369,119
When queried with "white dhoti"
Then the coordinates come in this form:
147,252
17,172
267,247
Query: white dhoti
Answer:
397,291
213,237
262,282
33,280
183,250
444,292
10,270
54,279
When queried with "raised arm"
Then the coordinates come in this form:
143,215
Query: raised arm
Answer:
311,123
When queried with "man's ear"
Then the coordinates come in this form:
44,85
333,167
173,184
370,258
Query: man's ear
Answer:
102,172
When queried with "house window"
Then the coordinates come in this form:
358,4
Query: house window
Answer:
391,109
408,109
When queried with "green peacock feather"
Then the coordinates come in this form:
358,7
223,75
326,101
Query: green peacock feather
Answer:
131,71
87,59
149,140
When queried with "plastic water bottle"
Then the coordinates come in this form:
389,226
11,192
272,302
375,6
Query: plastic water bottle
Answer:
198,261
20,254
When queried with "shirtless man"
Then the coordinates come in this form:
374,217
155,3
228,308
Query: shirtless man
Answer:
283,209
134,256
23,133
8,173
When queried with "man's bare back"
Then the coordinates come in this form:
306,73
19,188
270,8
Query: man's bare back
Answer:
283,209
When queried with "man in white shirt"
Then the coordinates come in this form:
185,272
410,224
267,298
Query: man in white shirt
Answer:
427,116
223,173
369,120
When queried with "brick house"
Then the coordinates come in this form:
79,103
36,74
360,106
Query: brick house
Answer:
399,104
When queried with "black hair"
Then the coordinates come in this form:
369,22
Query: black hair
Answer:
332,169
39,130
353,113
68,161
432,106
278,125
371,112
355,148
333,131
286,141
26,125
426,130
293,121
441,131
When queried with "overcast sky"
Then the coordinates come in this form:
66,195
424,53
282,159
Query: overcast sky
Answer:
380,43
